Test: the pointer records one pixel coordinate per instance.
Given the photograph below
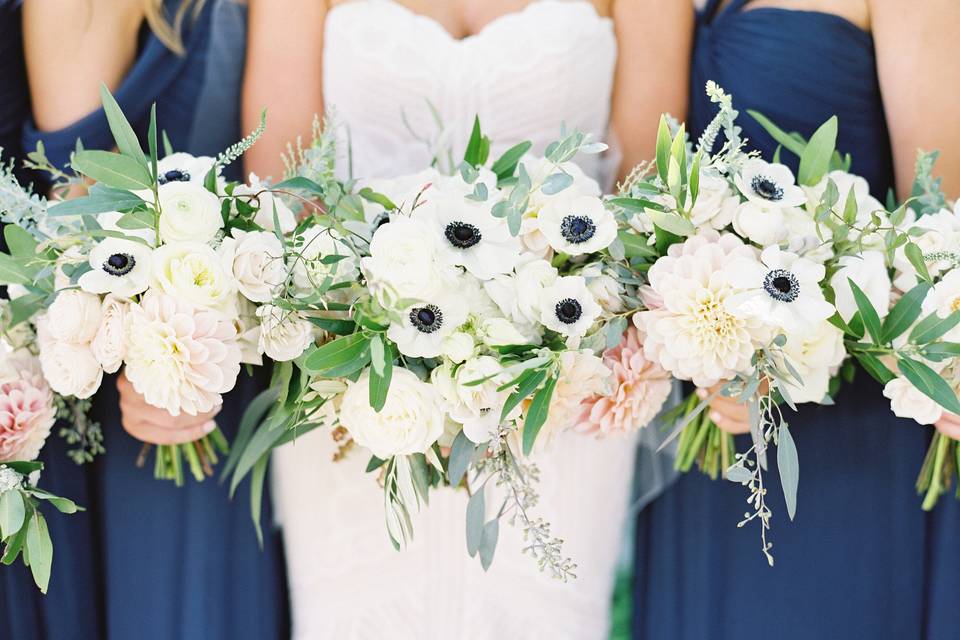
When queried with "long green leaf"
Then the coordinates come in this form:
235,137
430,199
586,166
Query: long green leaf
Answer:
40,549
537,414
528,382
904,313
789,466
12,512
672,222
112,169
663,149
100,201
933,327
381,373
340,357
478,148
19,241
257,479
788,141
815,159
506,165
476,514
915,255
871,319
123,134
930,383
14,271
874,367
252,416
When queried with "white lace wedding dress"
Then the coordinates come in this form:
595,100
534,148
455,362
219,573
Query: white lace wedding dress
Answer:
524,74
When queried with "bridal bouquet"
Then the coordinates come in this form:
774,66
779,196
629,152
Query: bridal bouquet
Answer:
467,320
762,286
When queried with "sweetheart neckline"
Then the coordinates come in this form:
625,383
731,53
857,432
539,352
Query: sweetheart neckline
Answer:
497,22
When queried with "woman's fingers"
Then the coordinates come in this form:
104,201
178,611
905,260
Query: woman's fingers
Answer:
155,425
949,425
162,435
727,413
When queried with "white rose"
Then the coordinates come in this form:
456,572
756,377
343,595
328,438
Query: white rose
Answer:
411,420
496,332
716,203
907,401
248,332
188,212
107,345
476,407
518,295
816,356
284,335
70,369
256,261
403,263
764,225
457,346
944,300
74,317
193,272
869,272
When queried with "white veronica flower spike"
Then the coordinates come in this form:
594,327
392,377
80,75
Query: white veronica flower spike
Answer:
577,226
568,307
782,289
769,184
120,267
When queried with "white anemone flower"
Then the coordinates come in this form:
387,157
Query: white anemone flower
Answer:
577,226
568,307
183,167
120,267
423,329
769,184
782,289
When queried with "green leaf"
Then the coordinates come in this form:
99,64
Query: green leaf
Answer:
788,142
556,183
341,357
152,141
915,255
528,382
112,169
252,416
123,134
941,350
851,208
635,246
23,467
663,149
506,164
488,543
933,327
12,512
40,549
257,479
789,467
672,222
930,383
874,367
15,271
381,372
461,453
299,183
695,178
370,195
14,545
476,514
100,201
19,241
63,505
904,313
537,414
25,307
478,148
815,159
871,320
374,463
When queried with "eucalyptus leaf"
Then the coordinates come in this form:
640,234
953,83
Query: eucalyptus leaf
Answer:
12,512
19,241
739,474
100,201
40,549
476,515
488,543
461,453
556,183
15,270
789,466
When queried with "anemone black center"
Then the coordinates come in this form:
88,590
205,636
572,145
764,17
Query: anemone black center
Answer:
174,175
462,235
577,229
119,264
568,311
766,188
781,285
426,319
381,220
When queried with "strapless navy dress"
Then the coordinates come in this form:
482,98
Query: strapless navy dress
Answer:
862,560
148,560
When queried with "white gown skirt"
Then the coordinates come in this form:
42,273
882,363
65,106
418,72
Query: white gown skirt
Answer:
347,581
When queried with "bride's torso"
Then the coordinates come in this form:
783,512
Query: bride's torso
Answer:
388,73
395,78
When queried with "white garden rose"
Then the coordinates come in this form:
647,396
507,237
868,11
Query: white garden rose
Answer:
74,317
938,237
944,300
764,225
108,344
255,259
477,407
906,401
816,355
411,420
457,347
403,263
869,272
284,335
194,273
188,212
70,369
518,295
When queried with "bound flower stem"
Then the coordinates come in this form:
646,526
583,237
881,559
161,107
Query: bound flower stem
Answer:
703,442
939,467
200,455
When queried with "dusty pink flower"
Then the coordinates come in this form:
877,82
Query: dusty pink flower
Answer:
180,357
639,388
26,415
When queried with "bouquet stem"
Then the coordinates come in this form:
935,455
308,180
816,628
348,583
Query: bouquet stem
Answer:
703,442
199,457
939,467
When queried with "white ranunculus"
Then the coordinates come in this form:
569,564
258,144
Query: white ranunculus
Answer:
907,401
194,273
248,332
518,295
715,204
120,267
568,307
188,212
310,249
578,225
816,355
769,184
497,332
869,272
70,369
759,223
107,345
403,263
74,317
255,259
284,335
781,289
411,420
257,195
477,407
457,347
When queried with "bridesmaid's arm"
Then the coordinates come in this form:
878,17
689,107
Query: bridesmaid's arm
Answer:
918,61
71,47
284,74
654,39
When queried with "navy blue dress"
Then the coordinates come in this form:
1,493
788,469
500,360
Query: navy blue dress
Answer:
862,560
149,560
